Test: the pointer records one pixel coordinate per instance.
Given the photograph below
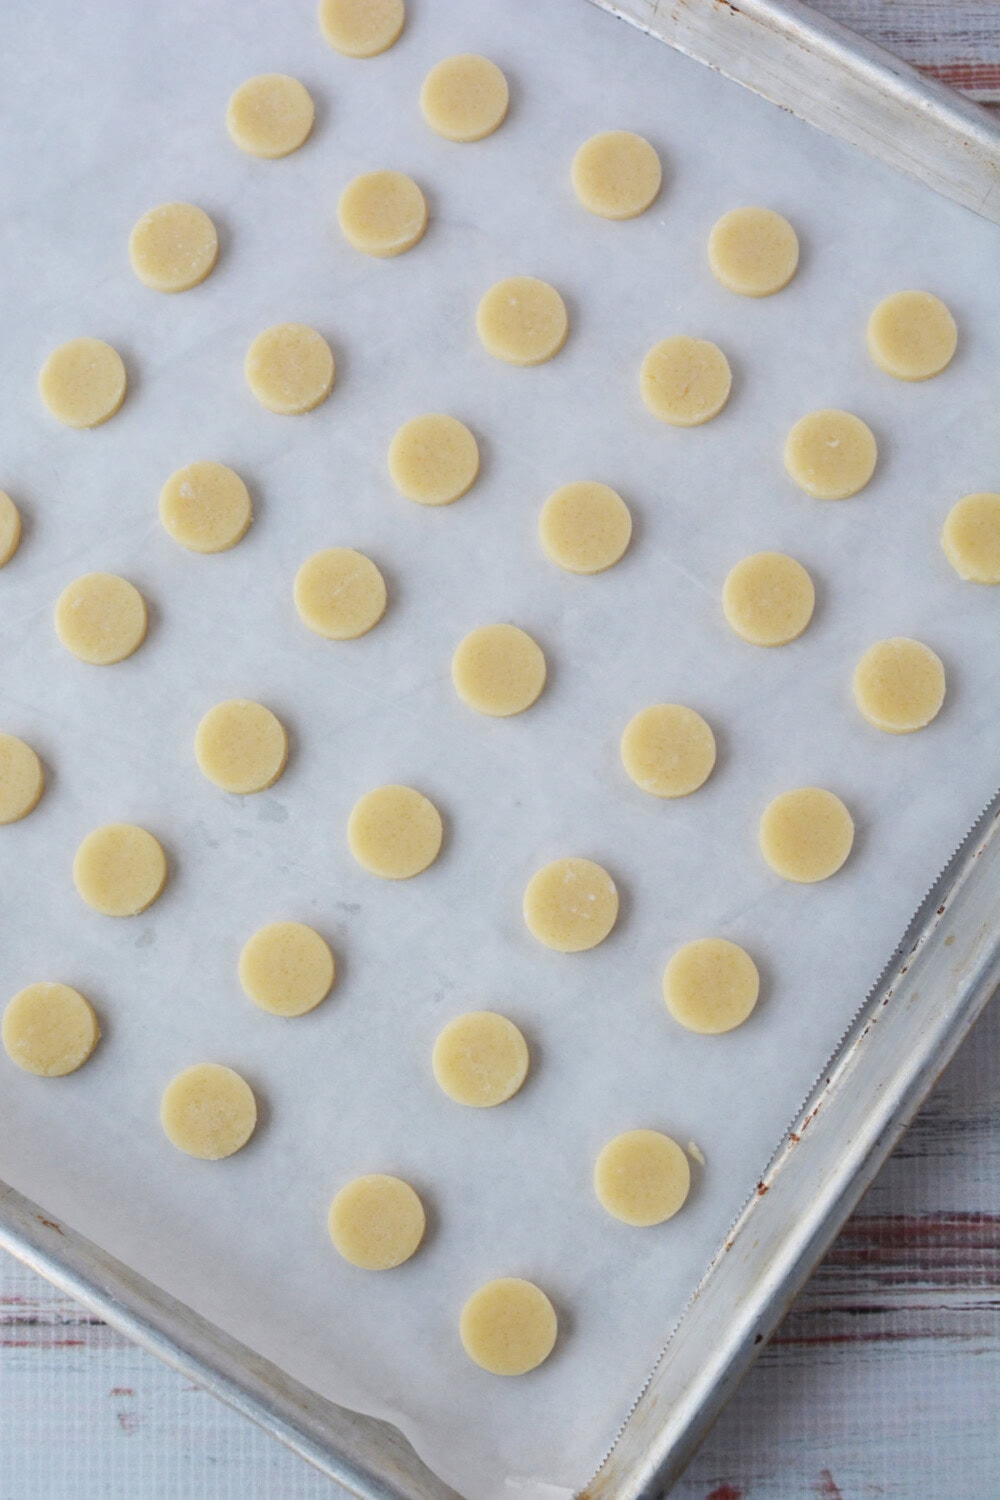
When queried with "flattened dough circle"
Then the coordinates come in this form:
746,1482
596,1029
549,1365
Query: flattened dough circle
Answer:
49,1030
10,528
465,98
912,335
899,685
339,593
711,985
768,599
806,834
585,527
173,247
208,1111
433,459
377,1222
570,905
522,321
642,1178
971,537
270,115
241,746
205,507
287,968
753,251
101,618
685,381
830,454
361,28
498,670
668,750
120,869
480,1059
382,213
22,780
508,1327
83,382
394,832
616,174
290,369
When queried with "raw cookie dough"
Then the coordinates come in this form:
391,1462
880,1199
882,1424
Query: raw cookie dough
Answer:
508,1327
22,779
971,538
433,459
685,381
101,618
899,685
205,507
290,369
498,670
642,1177
10,528
173,247
287,968
753,251
394,832
208,1111
806,835
241,746
584,527
50,1030
361,28
120,869
339,593
570,905
480,1059
377,1222
912,335
616,174
83,382
270,115
768,599
522,321
465,98
668,750
382,213
711,985
830,454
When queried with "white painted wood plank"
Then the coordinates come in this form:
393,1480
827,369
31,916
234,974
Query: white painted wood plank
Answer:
957,41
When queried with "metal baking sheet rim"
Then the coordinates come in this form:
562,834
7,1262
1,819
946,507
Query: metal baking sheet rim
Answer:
934,988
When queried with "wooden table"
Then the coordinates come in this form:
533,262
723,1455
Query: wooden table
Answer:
884,1380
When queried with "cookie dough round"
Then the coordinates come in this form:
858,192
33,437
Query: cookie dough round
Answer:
570,905
498,670
270,115
433,459
668,750
394,832
642,1178
899,685
174,247
830,454
361,28
101,618
208,1111
753,251
49,1030
584,527
522,321
912,335
480,1059
768,599
290,369
465,98
377,1222
616,174
806,835
971,538
382,213
22,780
120,869
241,746
10,528
287,968
685,381
508,1327
206,507
711,986
83,382
339,593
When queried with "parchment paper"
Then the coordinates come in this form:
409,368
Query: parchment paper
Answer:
109,109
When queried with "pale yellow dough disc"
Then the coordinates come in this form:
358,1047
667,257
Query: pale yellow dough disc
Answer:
498,670
465,98
361,28
971,538
382,213
616,175
685,381
899,685
480,1059
101,618
287,968
377,1222
83,382
753,251
508,1327
642,1178
290,369
806,835
120,869
10,528
394,832
522,321
208,1111
912,335
241,746
768,599
668,750
270,115
339,593
585,527
206,507
22,779
570,905
173,247
49,1030
830,454
433,459
711,985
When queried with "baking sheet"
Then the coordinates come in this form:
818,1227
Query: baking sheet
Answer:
126,112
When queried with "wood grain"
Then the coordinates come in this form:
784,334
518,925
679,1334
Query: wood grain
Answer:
957,41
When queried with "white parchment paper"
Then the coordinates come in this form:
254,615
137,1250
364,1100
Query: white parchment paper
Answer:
111,108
